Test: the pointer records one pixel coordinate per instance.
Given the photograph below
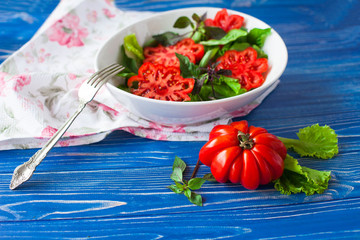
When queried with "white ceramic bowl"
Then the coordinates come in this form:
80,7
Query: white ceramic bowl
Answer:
166,112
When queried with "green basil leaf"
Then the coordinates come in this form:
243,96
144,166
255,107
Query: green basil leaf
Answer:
203,17
179,163
209,177
208,56
151,43
124,88
196,199
187,68
177,175
199,82
258,36
180,186
260,52
126,74
187,193
196,183
206,93
239,46
196,18
214,32
175,189
223,91
233,84
197,36
183,22
132,48
167,38
195,97
225,72
225,48
231,36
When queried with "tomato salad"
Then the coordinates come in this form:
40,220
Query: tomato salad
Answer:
217,58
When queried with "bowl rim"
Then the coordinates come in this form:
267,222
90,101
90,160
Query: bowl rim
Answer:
260,89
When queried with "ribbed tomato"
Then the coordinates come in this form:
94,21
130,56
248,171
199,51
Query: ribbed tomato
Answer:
243,154
161,82
166,55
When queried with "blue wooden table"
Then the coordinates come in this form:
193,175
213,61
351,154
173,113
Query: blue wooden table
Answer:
116,189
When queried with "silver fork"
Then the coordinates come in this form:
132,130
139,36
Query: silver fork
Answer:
87,92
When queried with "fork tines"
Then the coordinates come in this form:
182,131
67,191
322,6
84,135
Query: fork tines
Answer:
102,75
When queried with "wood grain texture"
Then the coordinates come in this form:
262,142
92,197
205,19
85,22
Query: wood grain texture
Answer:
116,189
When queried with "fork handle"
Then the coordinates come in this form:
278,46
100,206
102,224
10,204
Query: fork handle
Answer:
24,171
41,154
61,131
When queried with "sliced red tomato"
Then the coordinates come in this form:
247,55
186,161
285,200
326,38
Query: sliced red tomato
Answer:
161,82
248,79
260,65
224,21
235,59
245,66
166,55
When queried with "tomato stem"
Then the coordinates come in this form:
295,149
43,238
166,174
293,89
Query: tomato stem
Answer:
246,142
195,169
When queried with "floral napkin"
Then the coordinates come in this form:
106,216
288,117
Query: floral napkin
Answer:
39,83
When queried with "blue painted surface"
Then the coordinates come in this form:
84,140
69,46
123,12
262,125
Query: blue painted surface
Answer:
116,189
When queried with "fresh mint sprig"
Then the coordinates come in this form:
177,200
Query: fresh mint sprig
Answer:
185,187
198,30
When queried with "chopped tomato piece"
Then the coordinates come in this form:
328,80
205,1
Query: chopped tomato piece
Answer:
166,55
161,82
244,66
224,21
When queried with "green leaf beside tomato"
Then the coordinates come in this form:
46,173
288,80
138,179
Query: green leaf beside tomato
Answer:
314,141
296,179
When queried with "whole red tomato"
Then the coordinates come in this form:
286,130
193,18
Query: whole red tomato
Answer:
241,154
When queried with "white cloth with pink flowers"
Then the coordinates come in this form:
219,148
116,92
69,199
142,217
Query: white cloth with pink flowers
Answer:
39,83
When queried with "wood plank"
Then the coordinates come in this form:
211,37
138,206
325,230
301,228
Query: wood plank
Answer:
319,220
137,191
